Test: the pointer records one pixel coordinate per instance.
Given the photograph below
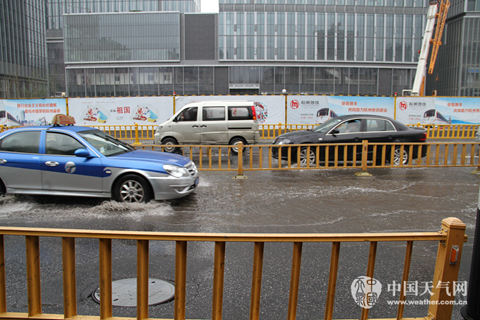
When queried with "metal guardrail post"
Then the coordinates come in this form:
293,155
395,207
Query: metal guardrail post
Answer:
33,276
472,310
137,140
69,279
240,174
447,266
364,172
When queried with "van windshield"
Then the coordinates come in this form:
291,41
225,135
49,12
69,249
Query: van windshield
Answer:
189,114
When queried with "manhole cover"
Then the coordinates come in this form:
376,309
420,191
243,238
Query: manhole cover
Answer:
124,292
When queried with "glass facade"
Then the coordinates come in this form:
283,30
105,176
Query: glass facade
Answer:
23,56
55,24
457,71
204,80
122,37
97,6
365,34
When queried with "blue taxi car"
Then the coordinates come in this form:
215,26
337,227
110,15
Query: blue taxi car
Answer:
82,161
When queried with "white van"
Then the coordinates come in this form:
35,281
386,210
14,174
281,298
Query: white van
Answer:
210,122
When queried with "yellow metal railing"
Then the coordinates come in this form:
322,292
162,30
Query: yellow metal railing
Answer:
362,156
139,133
450,131
450,237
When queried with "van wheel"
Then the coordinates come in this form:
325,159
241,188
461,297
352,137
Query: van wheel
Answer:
235,142
169,145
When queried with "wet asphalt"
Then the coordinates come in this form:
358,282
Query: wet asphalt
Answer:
306,201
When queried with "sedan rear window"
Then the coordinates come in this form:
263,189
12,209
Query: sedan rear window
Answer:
25,142
379,125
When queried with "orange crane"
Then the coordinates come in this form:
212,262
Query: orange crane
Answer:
436,42
436,16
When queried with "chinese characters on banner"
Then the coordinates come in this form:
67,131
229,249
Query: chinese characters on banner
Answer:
438,110
30,112
318,109
120,111
301,109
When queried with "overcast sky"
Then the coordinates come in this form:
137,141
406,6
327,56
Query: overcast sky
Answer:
209,5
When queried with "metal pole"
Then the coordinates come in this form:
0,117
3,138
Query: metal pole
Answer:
472,310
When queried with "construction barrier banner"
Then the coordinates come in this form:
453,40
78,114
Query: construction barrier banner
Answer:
270,109
30,112
120,111
438,110
318,109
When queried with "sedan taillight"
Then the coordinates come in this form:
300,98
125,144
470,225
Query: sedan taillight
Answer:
423,138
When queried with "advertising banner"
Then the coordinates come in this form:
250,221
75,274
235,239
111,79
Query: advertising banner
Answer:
270,109
120,111
438,110
30,112
318,109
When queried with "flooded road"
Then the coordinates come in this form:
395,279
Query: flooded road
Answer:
267,202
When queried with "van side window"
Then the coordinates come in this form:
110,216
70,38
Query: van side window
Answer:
189,114
213,113
240,113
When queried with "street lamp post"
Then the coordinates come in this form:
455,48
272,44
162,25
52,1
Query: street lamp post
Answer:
472,310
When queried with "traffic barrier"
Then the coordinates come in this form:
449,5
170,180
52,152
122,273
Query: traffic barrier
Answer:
450,243
138,133
450,131
362,156
271,131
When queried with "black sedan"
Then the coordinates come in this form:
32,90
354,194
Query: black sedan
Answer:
351,129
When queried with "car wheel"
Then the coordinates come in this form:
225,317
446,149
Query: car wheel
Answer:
235,142
169,145
397,156
132,188
3,189
311,158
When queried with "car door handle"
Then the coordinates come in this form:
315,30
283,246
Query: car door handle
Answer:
203,126
194,126
3,161
51,163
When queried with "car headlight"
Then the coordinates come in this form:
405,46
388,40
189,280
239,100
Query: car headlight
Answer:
175,171
284,141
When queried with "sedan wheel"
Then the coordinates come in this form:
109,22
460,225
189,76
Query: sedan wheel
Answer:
132,188
397,156
304,158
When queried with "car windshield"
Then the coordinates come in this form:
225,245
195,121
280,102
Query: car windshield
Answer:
327,125
105,144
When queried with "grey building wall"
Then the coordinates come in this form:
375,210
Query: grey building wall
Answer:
55,22
23,56
200,36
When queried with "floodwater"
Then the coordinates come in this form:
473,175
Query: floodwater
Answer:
268,202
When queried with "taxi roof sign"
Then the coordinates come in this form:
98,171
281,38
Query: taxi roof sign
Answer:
63,120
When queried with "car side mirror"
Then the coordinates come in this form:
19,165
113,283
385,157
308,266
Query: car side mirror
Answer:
83,153
334,132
